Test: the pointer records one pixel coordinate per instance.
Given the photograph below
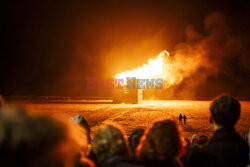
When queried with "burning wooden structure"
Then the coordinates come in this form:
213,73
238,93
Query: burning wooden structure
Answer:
153,69
128,96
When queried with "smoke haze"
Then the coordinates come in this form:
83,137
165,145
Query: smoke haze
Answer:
212,60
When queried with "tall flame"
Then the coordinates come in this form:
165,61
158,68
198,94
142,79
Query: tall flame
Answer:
154,68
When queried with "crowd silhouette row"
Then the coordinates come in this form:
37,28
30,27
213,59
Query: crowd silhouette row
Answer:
35,140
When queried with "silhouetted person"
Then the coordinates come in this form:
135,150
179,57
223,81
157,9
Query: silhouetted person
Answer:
187,149
180,119
194,138
226,145
80,131
184,119
188,143
134,139
34,141
203,140
161,145
110,146
82,122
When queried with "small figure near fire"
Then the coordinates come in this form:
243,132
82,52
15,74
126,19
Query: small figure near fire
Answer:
180,119
184,119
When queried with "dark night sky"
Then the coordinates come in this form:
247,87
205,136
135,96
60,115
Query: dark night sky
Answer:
50,47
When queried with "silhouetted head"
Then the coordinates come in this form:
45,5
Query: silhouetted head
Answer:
160,142
79,119
194,138
187,141
109,141
33,141
134,138
82,122
225,111
202,140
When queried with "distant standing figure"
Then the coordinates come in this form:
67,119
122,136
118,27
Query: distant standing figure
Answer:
180,119
184,119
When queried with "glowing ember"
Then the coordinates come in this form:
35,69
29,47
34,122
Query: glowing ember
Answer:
154,68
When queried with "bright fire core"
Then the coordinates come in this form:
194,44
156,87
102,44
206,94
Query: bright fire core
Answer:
154,68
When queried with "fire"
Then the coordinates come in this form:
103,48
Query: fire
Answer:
154,68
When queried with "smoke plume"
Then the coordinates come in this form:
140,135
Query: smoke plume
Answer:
214,58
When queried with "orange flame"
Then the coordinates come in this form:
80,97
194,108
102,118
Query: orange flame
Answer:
154,68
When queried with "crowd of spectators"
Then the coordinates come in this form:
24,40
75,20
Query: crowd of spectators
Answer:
33,140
